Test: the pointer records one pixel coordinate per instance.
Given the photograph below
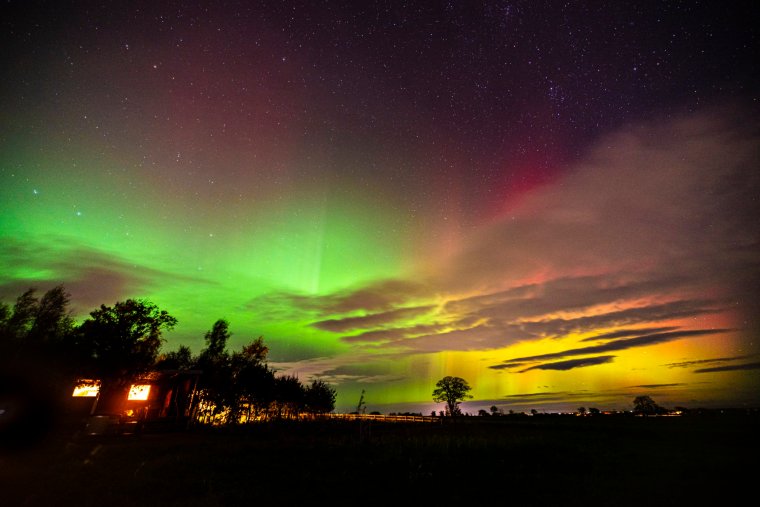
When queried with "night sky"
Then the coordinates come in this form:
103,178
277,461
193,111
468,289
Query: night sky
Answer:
557,201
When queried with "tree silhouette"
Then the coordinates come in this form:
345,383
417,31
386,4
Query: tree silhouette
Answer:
241,386
51,320
36,330
16,322
451,390
180,359
645,405
253,387
320,397
256,351
582,410
216,381
216,340
121,342
289,397
35,364
42,352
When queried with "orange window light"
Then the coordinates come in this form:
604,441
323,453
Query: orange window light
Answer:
139,392
87,389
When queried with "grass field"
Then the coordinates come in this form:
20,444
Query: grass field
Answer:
606,460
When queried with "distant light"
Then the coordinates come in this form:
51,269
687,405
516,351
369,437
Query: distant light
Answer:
139,392
89,389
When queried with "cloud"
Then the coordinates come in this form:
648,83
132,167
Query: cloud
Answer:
394,334
686,364
93,277
89,287
566,293
731,367
603,397
340,370
650,313
659,211
548,397
668,198
544,394
478,336
655,223
378,296
657,386
571,364
416,337
371,320
283,306
509,365
625,333
475,331
641,341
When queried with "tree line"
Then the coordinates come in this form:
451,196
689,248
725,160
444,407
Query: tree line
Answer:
240,385
43,350
454,390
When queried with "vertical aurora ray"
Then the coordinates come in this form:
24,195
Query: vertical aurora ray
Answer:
199,259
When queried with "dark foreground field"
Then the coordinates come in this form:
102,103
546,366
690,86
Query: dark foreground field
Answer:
610,460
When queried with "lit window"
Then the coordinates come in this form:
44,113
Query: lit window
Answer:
139,392
86,389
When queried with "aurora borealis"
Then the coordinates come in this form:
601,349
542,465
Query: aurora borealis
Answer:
557,202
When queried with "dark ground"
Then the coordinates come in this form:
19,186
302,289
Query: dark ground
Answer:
549,460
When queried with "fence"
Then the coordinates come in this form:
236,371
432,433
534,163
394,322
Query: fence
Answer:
378,417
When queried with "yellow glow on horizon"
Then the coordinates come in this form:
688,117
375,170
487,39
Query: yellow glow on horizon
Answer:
630,369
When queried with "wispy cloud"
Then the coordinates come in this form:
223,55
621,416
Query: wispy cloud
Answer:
687,364
543,394
731,367
626,333
658,386
394,334
617,345
550,397
343,369
634,235
92,276
371,320
571,364
649,313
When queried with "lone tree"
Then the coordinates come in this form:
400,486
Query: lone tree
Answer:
646,405
452,390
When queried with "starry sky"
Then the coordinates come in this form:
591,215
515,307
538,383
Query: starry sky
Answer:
557,201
